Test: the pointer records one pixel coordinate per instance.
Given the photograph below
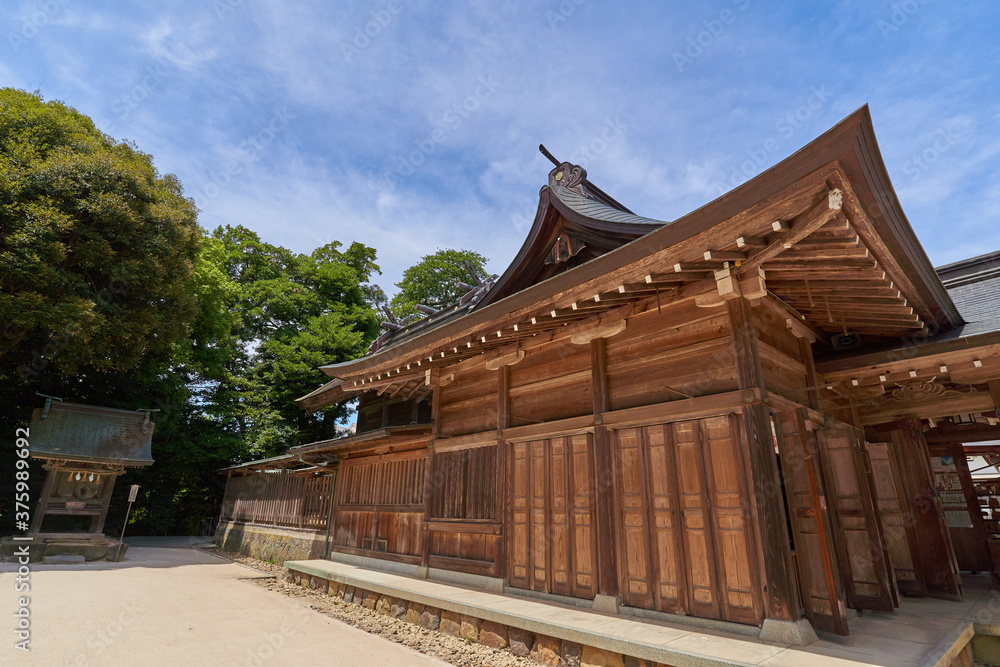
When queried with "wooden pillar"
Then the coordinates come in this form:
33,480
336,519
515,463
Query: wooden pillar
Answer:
503,492
97,524
780,600
51,478
425,547
603,476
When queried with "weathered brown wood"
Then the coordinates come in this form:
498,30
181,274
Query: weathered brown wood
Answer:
863,559
774,554
603,465
817,569
503,476
937,557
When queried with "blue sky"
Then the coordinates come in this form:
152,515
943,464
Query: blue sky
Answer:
413,126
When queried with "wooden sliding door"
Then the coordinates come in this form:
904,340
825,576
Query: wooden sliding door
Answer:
552,538
858,535
687,544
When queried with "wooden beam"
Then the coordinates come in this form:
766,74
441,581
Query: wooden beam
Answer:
724,256
793,321
944,406
820,214
598,330
508,359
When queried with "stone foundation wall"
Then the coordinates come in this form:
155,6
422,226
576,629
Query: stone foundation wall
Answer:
540,648
268,543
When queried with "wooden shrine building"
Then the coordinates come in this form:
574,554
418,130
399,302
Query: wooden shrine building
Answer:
729,416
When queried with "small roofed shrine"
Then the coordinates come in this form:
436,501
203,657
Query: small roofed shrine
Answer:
84,449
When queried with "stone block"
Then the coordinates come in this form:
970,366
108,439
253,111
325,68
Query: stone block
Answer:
370,601
384,605
451,623
635,662
349,594
470,628
399,609
413,611
546,650
359,596
64,559
430,618
520,642
796,633
596,657
571,652
89,549
493,634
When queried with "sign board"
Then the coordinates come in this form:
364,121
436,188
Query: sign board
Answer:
133,492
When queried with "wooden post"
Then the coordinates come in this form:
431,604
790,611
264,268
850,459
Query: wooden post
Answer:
603,475
503,492
425,547
51,476
780,600
97,523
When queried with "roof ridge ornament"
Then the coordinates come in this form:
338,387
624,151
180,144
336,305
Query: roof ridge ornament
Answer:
570,176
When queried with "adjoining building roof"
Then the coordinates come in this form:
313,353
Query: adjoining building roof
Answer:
974,286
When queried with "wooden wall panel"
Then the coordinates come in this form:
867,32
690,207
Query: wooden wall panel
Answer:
552,544
687,545
735,550
699,551
552,382
818,572
518,556
695,370
635,525
463,484
937,556
861,550
380,504
681,347
469,404
897,518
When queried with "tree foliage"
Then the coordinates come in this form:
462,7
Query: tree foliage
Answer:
96,247
432,281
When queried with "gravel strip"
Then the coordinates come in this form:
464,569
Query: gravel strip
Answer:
429,642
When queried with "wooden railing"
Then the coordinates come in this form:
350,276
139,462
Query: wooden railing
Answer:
278,499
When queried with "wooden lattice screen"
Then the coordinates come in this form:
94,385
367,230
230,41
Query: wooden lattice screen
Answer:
278,499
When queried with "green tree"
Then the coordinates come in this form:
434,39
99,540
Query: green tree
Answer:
433,280
298,312
96,247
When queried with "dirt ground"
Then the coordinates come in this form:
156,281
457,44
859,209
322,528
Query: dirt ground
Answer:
439,645
177,606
